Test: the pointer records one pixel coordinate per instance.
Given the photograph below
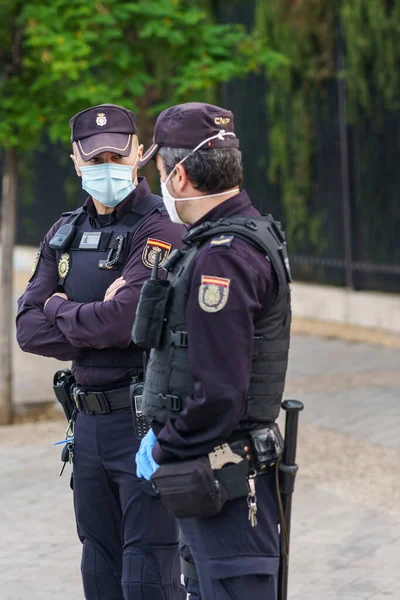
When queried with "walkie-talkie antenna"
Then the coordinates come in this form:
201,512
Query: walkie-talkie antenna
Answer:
154,270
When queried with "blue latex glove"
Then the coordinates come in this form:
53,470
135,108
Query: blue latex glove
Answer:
145,463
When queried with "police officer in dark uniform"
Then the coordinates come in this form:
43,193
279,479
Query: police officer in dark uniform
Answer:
215,380
79,305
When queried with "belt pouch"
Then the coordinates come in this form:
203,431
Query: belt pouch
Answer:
233,479
267,445
150,313
62,383
189,489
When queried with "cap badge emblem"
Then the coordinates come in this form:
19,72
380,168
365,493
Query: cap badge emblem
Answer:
101,119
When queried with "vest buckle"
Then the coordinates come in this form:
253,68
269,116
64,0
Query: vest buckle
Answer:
172,403
179,338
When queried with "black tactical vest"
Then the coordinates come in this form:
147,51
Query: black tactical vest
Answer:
95,258
168,379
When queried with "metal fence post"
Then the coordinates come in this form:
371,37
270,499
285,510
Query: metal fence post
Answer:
344,162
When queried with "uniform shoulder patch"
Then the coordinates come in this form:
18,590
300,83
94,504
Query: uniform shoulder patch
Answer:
35,264
213,293
222,240
152,248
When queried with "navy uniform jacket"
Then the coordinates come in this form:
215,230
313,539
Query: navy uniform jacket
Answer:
65,327
220,348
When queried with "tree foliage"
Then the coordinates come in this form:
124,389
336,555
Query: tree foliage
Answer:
70,54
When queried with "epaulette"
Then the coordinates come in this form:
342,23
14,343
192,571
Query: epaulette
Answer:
222,240
77,211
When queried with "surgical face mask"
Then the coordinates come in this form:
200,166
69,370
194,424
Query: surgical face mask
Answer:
108,183
170,200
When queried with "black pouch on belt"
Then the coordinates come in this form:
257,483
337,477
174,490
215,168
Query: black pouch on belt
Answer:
150,313
189,488
62,382
233,478
267,445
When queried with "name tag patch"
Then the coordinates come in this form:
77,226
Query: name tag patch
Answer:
90,240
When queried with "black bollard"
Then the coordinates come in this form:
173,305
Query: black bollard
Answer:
287,475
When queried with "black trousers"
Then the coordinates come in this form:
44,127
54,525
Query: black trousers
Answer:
235,561
130,542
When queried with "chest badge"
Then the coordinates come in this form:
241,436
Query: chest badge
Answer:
213,293
64,266
152,248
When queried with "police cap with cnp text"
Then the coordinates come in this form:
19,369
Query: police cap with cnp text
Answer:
187,125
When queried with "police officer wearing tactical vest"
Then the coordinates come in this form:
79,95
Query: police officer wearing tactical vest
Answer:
80,305
217,369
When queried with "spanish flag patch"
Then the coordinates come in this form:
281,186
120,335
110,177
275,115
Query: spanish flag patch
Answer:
152,248
213,293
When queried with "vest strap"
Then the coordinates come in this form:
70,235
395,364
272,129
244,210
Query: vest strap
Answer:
261,345
147,207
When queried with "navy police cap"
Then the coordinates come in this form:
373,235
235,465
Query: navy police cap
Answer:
103,128
187,125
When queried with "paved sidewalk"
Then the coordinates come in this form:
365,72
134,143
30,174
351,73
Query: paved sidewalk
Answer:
346,516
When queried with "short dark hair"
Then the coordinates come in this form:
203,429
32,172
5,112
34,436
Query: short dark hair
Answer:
209,171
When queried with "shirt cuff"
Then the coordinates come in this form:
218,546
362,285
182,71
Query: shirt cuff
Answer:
52,307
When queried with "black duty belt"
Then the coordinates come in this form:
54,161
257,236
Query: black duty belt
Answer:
100,403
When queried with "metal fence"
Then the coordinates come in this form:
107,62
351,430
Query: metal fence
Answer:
355,186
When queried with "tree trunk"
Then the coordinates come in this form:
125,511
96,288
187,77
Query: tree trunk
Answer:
7,235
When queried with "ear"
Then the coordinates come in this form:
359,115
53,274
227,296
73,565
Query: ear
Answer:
136,168
77,169
181,180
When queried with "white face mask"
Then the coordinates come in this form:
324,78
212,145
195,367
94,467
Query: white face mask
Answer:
170,200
